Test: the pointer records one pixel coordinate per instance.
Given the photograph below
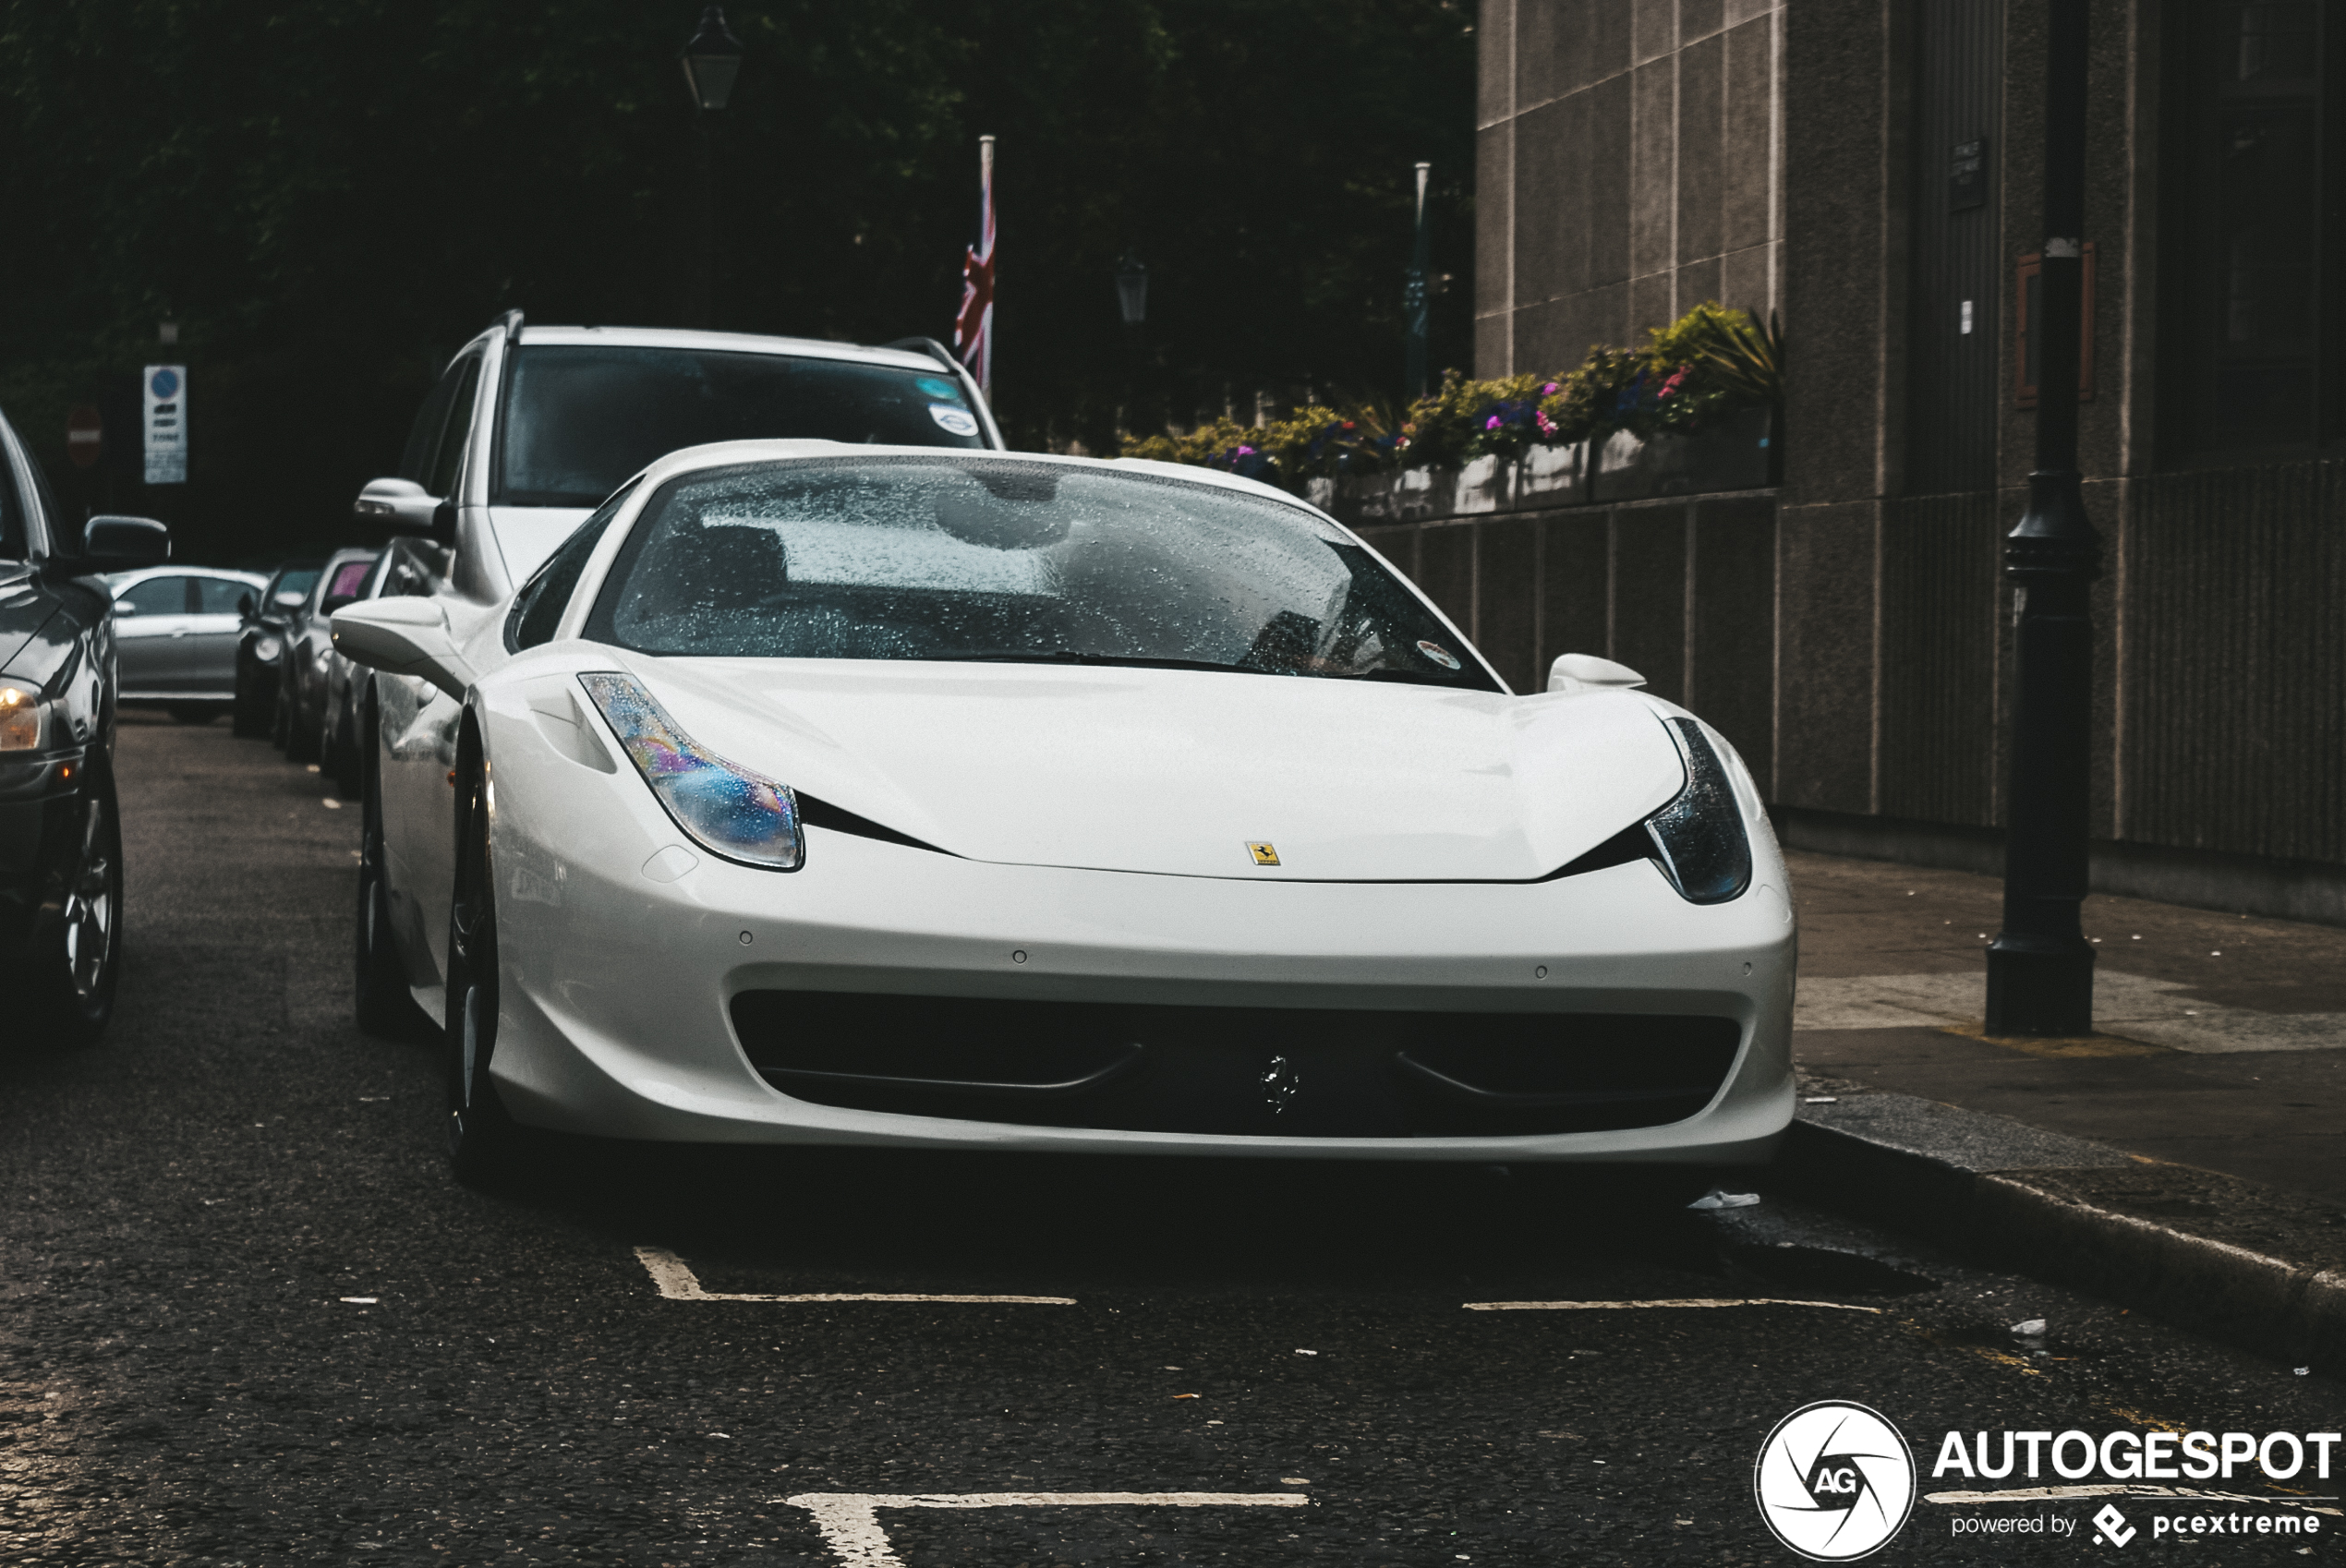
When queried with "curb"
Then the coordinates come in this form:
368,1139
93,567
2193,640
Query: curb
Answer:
2256,1266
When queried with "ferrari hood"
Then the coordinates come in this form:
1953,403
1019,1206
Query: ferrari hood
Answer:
1182,772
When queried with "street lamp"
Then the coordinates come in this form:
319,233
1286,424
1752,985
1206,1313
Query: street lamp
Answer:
711,59
1132,289
2040,969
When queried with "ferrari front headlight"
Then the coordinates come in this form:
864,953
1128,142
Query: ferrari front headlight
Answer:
722,806
1699,836
20,719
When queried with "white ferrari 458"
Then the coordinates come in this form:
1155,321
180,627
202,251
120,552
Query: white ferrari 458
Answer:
813,793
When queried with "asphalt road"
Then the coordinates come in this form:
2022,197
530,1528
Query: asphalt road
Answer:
246,1318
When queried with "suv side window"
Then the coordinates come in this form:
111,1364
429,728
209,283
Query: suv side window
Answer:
15,539
423,436
538,609
442,482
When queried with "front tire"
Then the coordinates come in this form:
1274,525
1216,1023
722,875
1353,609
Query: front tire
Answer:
385,1005
79,950
252,710
484,1142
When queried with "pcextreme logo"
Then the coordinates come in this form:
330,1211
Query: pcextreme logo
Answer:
1834,1482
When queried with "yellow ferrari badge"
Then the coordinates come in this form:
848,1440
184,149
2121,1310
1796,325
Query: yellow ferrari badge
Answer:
1264,854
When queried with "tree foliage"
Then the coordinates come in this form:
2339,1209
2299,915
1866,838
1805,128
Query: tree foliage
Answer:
331,198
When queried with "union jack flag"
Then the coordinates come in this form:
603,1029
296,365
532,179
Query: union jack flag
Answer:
973,328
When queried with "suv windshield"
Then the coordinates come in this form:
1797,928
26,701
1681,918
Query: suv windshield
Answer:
909,558
580,419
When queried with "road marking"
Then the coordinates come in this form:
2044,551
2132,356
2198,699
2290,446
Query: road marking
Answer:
2047,1494
678,1282
850,1527
1685,1301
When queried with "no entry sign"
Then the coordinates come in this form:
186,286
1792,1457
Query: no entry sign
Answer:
85,435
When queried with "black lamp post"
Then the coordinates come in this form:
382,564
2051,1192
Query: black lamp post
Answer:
711,60
1415,302
2040,970
1132,303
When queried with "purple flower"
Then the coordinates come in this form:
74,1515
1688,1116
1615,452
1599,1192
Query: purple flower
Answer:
1491,423
1246,451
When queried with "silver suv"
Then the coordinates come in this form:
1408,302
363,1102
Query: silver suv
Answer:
527,432
530,427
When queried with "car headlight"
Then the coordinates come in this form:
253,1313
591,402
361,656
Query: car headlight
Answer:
1698,838
722,806
20,719
266,649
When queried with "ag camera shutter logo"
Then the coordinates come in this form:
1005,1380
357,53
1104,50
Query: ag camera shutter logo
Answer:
1834,1482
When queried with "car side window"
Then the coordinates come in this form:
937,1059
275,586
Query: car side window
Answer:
538,609
218,595
450,456
156,596
13,538
423,436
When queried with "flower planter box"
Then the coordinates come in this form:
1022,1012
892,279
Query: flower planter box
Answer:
1738,453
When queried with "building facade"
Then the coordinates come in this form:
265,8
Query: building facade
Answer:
1870,170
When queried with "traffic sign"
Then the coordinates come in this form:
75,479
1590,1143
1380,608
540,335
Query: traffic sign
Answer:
166,443
85,435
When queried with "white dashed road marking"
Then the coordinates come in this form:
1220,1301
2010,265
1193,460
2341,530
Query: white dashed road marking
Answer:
678,1282
849,1520
1685,1301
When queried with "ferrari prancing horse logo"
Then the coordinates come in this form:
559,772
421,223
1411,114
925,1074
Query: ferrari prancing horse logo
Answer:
1264,854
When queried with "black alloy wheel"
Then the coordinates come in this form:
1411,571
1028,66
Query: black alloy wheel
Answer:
385,1005
301,730
281,717
78,945
484,1142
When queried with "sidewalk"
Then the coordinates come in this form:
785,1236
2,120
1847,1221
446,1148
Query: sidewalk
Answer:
2222,1041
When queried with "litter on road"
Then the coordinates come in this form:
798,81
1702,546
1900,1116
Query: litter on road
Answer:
678,1282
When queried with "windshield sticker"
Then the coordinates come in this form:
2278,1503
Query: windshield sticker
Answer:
955,421
937,386
1438,654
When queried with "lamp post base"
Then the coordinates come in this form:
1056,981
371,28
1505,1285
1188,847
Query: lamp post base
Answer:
2040,987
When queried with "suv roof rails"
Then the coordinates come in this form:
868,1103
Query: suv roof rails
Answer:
929,347
511,322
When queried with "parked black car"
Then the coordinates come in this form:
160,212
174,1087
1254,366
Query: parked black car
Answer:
261,643
301,686
60,837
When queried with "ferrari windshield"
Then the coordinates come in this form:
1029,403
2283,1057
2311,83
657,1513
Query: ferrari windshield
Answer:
995,559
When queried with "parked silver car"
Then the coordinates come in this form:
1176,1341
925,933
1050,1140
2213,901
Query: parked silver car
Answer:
176,630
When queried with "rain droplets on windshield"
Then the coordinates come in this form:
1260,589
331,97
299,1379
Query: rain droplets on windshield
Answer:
996,560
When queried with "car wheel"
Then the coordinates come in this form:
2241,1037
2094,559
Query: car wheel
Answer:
195,713
484,1142
80,921
252,714
281,720
301,730
350,760
385,1005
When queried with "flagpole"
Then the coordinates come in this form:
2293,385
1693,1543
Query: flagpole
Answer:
985,222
